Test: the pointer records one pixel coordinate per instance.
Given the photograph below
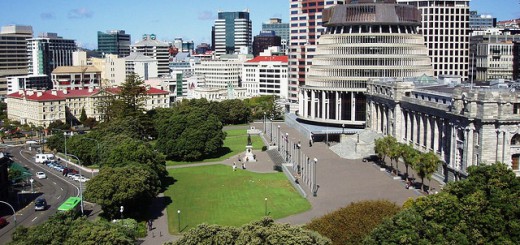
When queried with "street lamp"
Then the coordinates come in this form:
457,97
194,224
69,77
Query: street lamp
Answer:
314,185
278,137
286,147
65,136
264,123
179,219
32,189
81,184
271,129
14,212
121,209
265,206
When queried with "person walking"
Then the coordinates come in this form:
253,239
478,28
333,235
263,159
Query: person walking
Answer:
234,166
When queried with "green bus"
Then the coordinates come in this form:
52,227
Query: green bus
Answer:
73,203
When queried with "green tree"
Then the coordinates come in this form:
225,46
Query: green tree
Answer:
427,166
410,156
381,148
83,116
265,231
351,224
394,151
58,124
131,186
56,141
65,228
482,209
90,122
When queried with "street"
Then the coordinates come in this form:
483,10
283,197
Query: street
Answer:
55,189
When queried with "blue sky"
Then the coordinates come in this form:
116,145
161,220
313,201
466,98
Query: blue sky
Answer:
191,20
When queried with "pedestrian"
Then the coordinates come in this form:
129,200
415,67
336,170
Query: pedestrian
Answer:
239,158
310,143
234,166
243,165
150,225
247,159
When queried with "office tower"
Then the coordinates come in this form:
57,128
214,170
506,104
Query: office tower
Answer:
364,40
142,65
280,29
114,42
49,51
306,28
481,21
156,49
232,33
265,40
223,72
492,55
13,53
445,26
265,75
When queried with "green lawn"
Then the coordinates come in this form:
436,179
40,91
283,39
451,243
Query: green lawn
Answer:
235,143
216,195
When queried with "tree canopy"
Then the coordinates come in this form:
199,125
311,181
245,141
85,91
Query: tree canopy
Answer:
265,231
130,186
65,228
351,224
482,209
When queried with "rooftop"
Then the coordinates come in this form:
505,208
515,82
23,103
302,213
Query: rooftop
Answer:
257,59
75,69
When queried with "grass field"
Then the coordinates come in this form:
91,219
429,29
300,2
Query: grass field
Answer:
235,143
216,195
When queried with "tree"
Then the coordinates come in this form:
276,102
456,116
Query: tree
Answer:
90,122
394,151
83,116
410,156
482,209
351,224
426,166
65,228
58,124
56,142
131,186
381,148
265,231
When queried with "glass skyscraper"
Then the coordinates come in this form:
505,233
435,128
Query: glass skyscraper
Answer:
114,42
232,33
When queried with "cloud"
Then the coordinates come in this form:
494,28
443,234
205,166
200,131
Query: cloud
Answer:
206,15
80,13
47,16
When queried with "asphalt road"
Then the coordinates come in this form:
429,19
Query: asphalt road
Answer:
55,189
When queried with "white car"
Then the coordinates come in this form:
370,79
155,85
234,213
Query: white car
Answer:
41,175
83,179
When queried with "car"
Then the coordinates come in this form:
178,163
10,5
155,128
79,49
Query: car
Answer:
83,179
41,175
75,177
40,204
3,222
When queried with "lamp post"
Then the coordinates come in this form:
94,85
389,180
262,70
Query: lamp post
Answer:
298,159
32,189
65,137
121,209
286,147
342,128
264,123
81,184
179,219
14,212
314,185
265,213
271,129
278,138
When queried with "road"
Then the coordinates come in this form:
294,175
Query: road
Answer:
55,189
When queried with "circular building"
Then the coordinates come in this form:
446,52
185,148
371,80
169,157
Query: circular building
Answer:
364,39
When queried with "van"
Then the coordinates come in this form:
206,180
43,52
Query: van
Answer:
41,158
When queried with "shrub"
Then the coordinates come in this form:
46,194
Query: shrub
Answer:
351,224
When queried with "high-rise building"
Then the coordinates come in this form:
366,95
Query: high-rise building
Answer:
445,27
280,29
49,51
305,28
265,75
516,60
233,33
481,21
364,40
493,56
156,49
223,72
114,42
265,40
142,65
13,53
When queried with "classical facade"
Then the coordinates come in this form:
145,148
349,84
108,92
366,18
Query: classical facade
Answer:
42,107
363,40
465,126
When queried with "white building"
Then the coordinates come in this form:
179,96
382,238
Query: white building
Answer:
113,69
40,108
28,82
13,53
305,29
156,49
266,75
49,51
445,27
144,66
219,73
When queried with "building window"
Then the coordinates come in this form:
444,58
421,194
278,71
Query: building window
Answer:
516,108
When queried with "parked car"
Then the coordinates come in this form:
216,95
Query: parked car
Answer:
83,179
41,175
3,222
371,158
40,204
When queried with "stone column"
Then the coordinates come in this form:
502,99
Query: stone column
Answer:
468,147
353,106
428,133
408,127
313,104
436,134
453,145
339,100
498,152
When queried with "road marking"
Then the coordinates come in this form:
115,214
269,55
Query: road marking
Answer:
54,183
58,197
34,219
61,188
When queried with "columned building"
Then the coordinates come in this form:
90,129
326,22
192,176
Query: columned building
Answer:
363,40
464,126
445,26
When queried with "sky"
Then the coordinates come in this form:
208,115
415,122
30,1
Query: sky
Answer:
168,19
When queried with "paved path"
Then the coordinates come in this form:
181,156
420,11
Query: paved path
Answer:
341,181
